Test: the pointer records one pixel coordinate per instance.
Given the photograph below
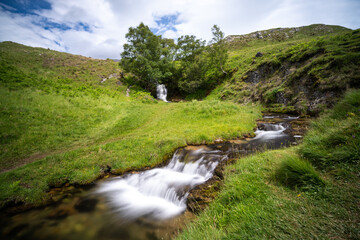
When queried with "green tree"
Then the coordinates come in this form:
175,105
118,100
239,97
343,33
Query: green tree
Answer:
190,64
218,52
146,56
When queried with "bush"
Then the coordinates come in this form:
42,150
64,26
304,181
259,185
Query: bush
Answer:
298,174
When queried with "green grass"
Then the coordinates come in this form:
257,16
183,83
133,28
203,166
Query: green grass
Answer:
280,195
294,68
80,136
60,124
55,72
335,138
252,205
298,174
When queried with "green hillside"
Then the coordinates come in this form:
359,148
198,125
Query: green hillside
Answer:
302,70
59,124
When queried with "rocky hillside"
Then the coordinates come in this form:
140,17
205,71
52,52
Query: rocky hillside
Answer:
302,70
282,34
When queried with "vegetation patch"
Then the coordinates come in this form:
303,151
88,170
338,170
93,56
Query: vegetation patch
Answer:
335,138
307,204
298,174
308,72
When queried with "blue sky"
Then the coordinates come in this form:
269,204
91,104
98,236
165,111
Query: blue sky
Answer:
97,28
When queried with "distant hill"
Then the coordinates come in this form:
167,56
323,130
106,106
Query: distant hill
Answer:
281,34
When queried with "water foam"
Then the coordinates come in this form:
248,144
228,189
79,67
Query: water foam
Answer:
161,92
161,193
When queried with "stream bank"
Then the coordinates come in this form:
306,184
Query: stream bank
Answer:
84,212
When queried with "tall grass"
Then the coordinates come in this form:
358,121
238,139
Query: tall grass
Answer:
298,174
335,137
251,205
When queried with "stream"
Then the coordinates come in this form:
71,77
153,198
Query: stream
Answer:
143,205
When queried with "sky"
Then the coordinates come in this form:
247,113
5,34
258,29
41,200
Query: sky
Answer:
97,28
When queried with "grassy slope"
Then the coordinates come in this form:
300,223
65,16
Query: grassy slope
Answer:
255,203
319,61
69,127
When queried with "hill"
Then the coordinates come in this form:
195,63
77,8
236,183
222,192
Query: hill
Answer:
303,70
52,71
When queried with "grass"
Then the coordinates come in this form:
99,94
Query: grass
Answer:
280,195
298,174
76,138
61,124
335,137
295,69
252,205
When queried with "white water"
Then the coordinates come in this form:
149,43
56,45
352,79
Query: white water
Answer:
161,193
271,131
161,92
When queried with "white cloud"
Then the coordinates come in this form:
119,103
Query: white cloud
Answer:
109,20
170,34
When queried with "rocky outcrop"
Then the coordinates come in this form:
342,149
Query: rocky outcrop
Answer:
279,85
279,34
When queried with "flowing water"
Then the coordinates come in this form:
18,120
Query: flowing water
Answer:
142,205
161,92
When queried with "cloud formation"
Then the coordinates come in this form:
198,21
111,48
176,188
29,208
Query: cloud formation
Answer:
98,28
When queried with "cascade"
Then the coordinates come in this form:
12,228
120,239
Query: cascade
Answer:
161,92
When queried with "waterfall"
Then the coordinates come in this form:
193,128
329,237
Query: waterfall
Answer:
161,92
270,131
161,193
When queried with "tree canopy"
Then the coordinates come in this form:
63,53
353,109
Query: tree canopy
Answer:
185,66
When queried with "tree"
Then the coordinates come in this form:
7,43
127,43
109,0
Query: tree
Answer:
188,47
146,57
185,67
218,51
190,67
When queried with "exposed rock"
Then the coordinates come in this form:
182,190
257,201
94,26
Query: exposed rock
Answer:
261,73
259,54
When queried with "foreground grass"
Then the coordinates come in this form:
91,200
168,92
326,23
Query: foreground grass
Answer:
279,195
253,205
76,139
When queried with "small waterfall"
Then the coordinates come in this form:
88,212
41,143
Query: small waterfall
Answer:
161,193
161,92
270,131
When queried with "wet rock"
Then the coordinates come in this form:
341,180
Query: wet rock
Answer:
259,54
86,205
